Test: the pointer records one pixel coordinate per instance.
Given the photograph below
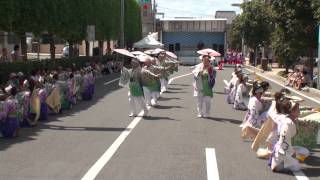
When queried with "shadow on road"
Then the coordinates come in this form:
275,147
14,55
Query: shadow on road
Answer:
29,134
183,85
153,118
167,107
176,92
175,88
218,92
312,172
75,128
167,99
233,121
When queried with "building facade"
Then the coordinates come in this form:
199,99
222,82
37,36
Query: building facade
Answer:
187,35
147,16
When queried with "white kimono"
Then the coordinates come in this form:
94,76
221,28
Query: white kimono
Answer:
254,116
239,99
282,156
203,102
233,85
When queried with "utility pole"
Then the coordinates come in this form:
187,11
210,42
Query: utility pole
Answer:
122,25
154,16
318,62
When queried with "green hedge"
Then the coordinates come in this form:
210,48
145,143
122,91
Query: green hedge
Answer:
27,67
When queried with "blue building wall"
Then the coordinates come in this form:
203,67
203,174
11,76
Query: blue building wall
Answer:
191,39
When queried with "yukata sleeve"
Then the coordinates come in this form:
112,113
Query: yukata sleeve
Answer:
4,112
147,72
239,93
283,139
253,117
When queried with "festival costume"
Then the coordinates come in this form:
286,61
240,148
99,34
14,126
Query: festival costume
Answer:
282,157
9,122
203,89
239,103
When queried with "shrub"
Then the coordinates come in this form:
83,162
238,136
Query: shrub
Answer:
27,67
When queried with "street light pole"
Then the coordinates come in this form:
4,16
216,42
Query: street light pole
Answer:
122,25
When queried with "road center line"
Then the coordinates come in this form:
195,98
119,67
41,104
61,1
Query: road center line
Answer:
212,167
112,81
103,160
293,90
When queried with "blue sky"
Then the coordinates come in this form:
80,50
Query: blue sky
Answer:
195,8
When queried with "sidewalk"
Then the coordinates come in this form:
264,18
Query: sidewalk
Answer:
313,94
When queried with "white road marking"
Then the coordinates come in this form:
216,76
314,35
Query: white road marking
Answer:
289,88
212,167
112,81
300,175
103,160
170,80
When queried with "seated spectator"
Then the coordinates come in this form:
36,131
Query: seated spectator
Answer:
302,80
293,77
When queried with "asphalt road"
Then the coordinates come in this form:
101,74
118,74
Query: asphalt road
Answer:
168,144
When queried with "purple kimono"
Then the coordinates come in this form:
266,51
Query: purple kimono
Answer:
71,94
87,88
91,83
44,107
9,122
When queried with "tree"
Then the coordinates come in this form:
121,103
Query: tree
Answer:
254,24
316,7
295,31
68,20
235,35
133,29
20,16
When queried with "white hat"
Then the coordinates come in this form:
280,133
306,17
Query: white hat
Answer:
8,89
41,79
13,75
20,74
26,82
